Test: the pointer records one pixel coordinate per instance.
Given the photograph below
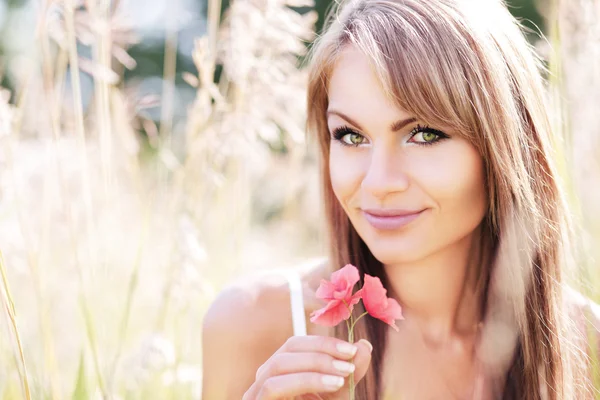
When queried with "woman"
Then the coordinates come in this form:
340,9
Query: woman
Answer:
438,178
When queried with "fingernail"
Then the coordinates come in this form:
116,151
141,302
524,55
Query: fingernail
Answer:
333,381
343,366
367,343
347,348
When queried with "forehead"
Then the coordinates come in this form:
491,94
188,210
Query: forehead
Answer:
355,89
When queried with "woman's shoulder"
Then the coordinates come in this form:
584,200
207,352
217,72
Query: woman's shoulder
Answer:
582,305
246,323
258,303
585,313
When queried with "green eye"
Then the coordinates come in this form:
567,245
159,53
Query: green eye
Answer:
348,137
424,135
354,139
429,136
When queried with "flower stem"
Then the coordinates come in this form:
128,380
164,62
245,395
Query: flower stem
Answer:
350,324
356,320
351,377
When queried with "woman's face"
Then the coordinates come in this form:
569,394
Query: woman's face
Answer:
409,189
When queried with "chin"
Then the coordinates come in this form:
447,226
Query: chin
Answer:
393,257
395,251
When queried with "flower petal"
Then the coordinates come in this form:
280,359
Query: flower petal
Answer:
345,278
378,304
373,295
392,312
332,314
326,290
338,292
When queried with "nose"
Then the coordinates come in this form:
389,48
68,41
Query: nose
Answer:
386,173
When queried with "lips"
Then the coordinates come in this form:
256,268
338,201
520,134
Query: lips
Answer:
389,219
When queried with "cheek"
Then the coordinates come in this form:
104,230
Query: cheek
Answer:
346,172
456,182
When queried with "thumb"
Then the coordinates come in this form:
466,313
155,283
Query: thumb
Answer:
362,359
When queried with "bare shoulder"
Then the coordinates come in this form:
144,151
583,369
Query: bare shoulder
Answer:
585,313
247,322
582,306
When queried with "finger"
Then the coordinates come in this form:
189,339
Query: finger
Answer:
362,359
290,385
319,344
288,363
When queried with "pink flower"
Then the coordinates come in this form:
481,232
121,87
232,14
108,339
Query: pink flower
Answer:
377,303
338,294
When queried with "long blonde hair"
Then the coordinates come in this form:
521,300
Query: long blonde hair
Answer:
465,65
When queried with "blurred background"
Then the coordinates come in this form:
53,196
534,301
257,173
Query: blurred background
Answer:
153,150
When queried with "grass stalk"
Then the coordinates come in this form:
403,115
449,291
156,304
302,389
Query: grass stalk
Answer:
85,175
169,71
214,21
78,106
562,126
131,288
174,205
102,88
32,253
53,79
10,310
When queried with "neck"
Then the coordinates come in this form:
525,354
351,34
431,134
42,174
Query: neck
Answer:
440,294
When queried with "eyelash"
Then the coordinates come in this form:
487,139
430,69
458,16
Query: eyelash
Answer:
342,131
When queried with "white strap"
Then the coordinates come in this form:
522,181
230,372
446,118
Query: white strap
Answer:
297,303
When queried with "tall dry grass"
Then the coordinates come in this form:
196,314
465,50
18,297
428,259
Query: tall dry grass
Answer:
116,242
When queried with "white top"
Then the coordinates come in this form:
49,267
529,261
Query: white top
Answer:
297,302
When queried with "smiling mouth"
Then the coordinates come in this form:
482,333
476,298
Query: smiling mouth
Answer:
390,219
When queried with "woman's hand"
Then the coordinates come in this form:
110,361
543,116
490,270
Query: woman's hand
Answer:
309,365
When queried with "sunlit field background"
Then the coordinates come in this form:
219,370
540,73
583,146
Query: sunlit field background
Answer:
153,150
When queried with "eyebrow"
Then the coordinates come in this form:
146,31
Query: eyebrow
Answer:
395,127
